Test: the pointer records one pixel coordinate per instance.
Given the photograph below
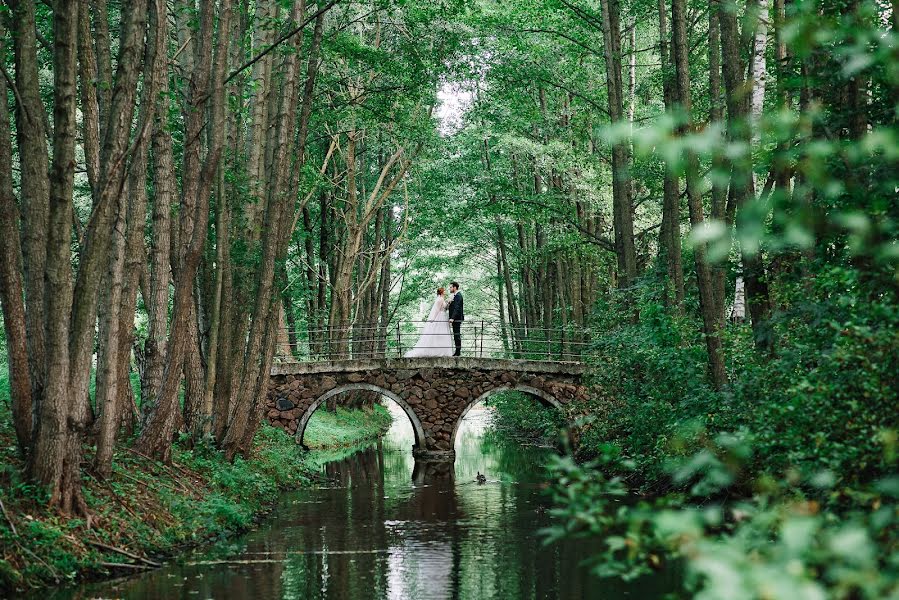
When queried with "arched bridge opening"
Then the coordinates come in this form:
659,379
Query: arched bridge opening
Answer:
322,400
537,395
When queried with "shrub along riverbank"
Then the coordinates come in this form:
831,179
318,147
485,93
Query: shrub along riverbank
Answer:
147,511
782,485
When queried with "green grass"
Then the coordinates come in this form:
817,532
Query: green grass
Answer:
343,427
155,510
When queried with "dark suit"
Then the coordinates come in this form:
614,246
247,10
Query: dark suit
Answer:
457,315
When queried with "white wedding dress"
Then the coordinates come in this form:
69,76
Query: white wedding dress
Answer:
436,336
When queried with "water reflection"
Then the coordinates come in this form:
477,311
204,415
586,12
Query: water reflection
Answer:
388,527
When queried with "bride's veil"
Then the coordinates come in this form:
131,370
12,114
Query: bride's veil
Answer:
435,310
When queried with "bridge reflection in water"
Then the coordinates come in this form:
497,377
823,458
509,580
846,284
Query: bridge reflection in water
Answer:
372,532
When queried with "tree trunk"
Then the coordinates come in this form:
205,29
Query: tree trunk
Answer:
114,393
622,206
155,440
35,188
222,232
90,109
263,328
741,173
61,411
103,45
164,189
719,164
670,242
512,310
11,284
108,353
707,304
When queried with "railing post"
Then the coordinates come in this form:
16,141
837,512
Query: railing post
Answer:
481,352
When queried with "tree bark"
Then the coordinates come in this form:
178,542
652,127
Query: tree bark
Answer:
155,440
35,188
670,234
90,109
103,53
741,187
707,304
719,164
61,411
622,205
12,294
222,233
262,332
164,189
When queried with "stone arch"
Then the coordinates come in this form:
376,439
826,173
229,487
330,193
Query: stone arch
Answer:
349,387
543,397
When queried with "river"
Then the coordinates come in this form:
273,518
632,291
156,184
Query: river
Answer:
386,527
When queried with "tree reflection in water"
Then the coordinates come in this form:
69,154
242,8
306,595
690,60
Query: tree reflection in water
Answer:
388,527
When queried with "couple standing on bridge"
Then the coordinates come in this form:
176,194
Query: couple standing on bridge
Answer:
442,332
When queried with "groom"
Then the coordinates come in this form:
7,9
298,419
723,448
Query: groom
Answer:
456,316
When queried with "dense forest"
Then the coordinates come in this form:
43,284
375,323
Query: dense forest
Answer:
700,194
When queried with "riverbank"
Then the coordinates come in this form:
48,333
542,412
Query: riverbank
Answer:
147,511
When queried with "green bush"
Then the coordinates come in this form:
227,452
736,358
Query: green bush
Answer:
826,398
523,417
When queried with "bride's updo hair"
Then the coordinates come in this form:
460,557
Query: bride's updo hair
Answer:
440,291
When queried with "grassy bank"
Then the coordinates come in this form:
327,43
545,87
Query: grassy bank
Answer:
148,511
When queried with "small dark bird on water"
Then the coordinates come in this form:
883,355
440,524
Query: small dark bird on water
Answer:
481,478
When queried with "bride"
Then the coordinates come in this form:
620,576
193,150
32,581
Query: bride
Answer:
436,336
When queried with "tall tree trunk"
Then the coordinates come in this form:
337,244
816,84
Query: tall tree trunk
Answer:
126,248
512,310
108,352
198,178
263,330
11,285
61,411
708,307
90,109
741,187
670,241
719,164
103,53
35,189
759,74
500,286
622,204
164,189
222,232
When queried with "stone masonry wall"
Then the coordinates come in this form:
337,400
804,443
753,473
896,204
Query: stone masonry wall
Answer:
437,391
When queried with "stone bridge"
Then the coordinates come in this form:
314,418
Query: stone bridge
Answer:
435,393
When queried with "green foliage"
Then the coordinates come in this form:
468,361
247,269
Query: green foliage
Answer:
825,398
523,417
780,544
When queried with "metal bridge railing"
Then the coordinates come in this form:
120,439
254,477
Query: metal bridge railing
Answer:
480,339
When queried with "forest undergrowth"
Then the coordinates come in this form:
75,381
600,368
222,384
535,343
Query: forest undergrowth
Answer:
147,511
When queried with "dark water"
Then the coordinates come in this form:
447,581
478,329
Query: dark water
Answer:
386,527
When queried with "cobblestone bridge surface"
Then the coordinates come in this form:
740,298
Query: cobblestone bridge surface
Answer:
434,392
